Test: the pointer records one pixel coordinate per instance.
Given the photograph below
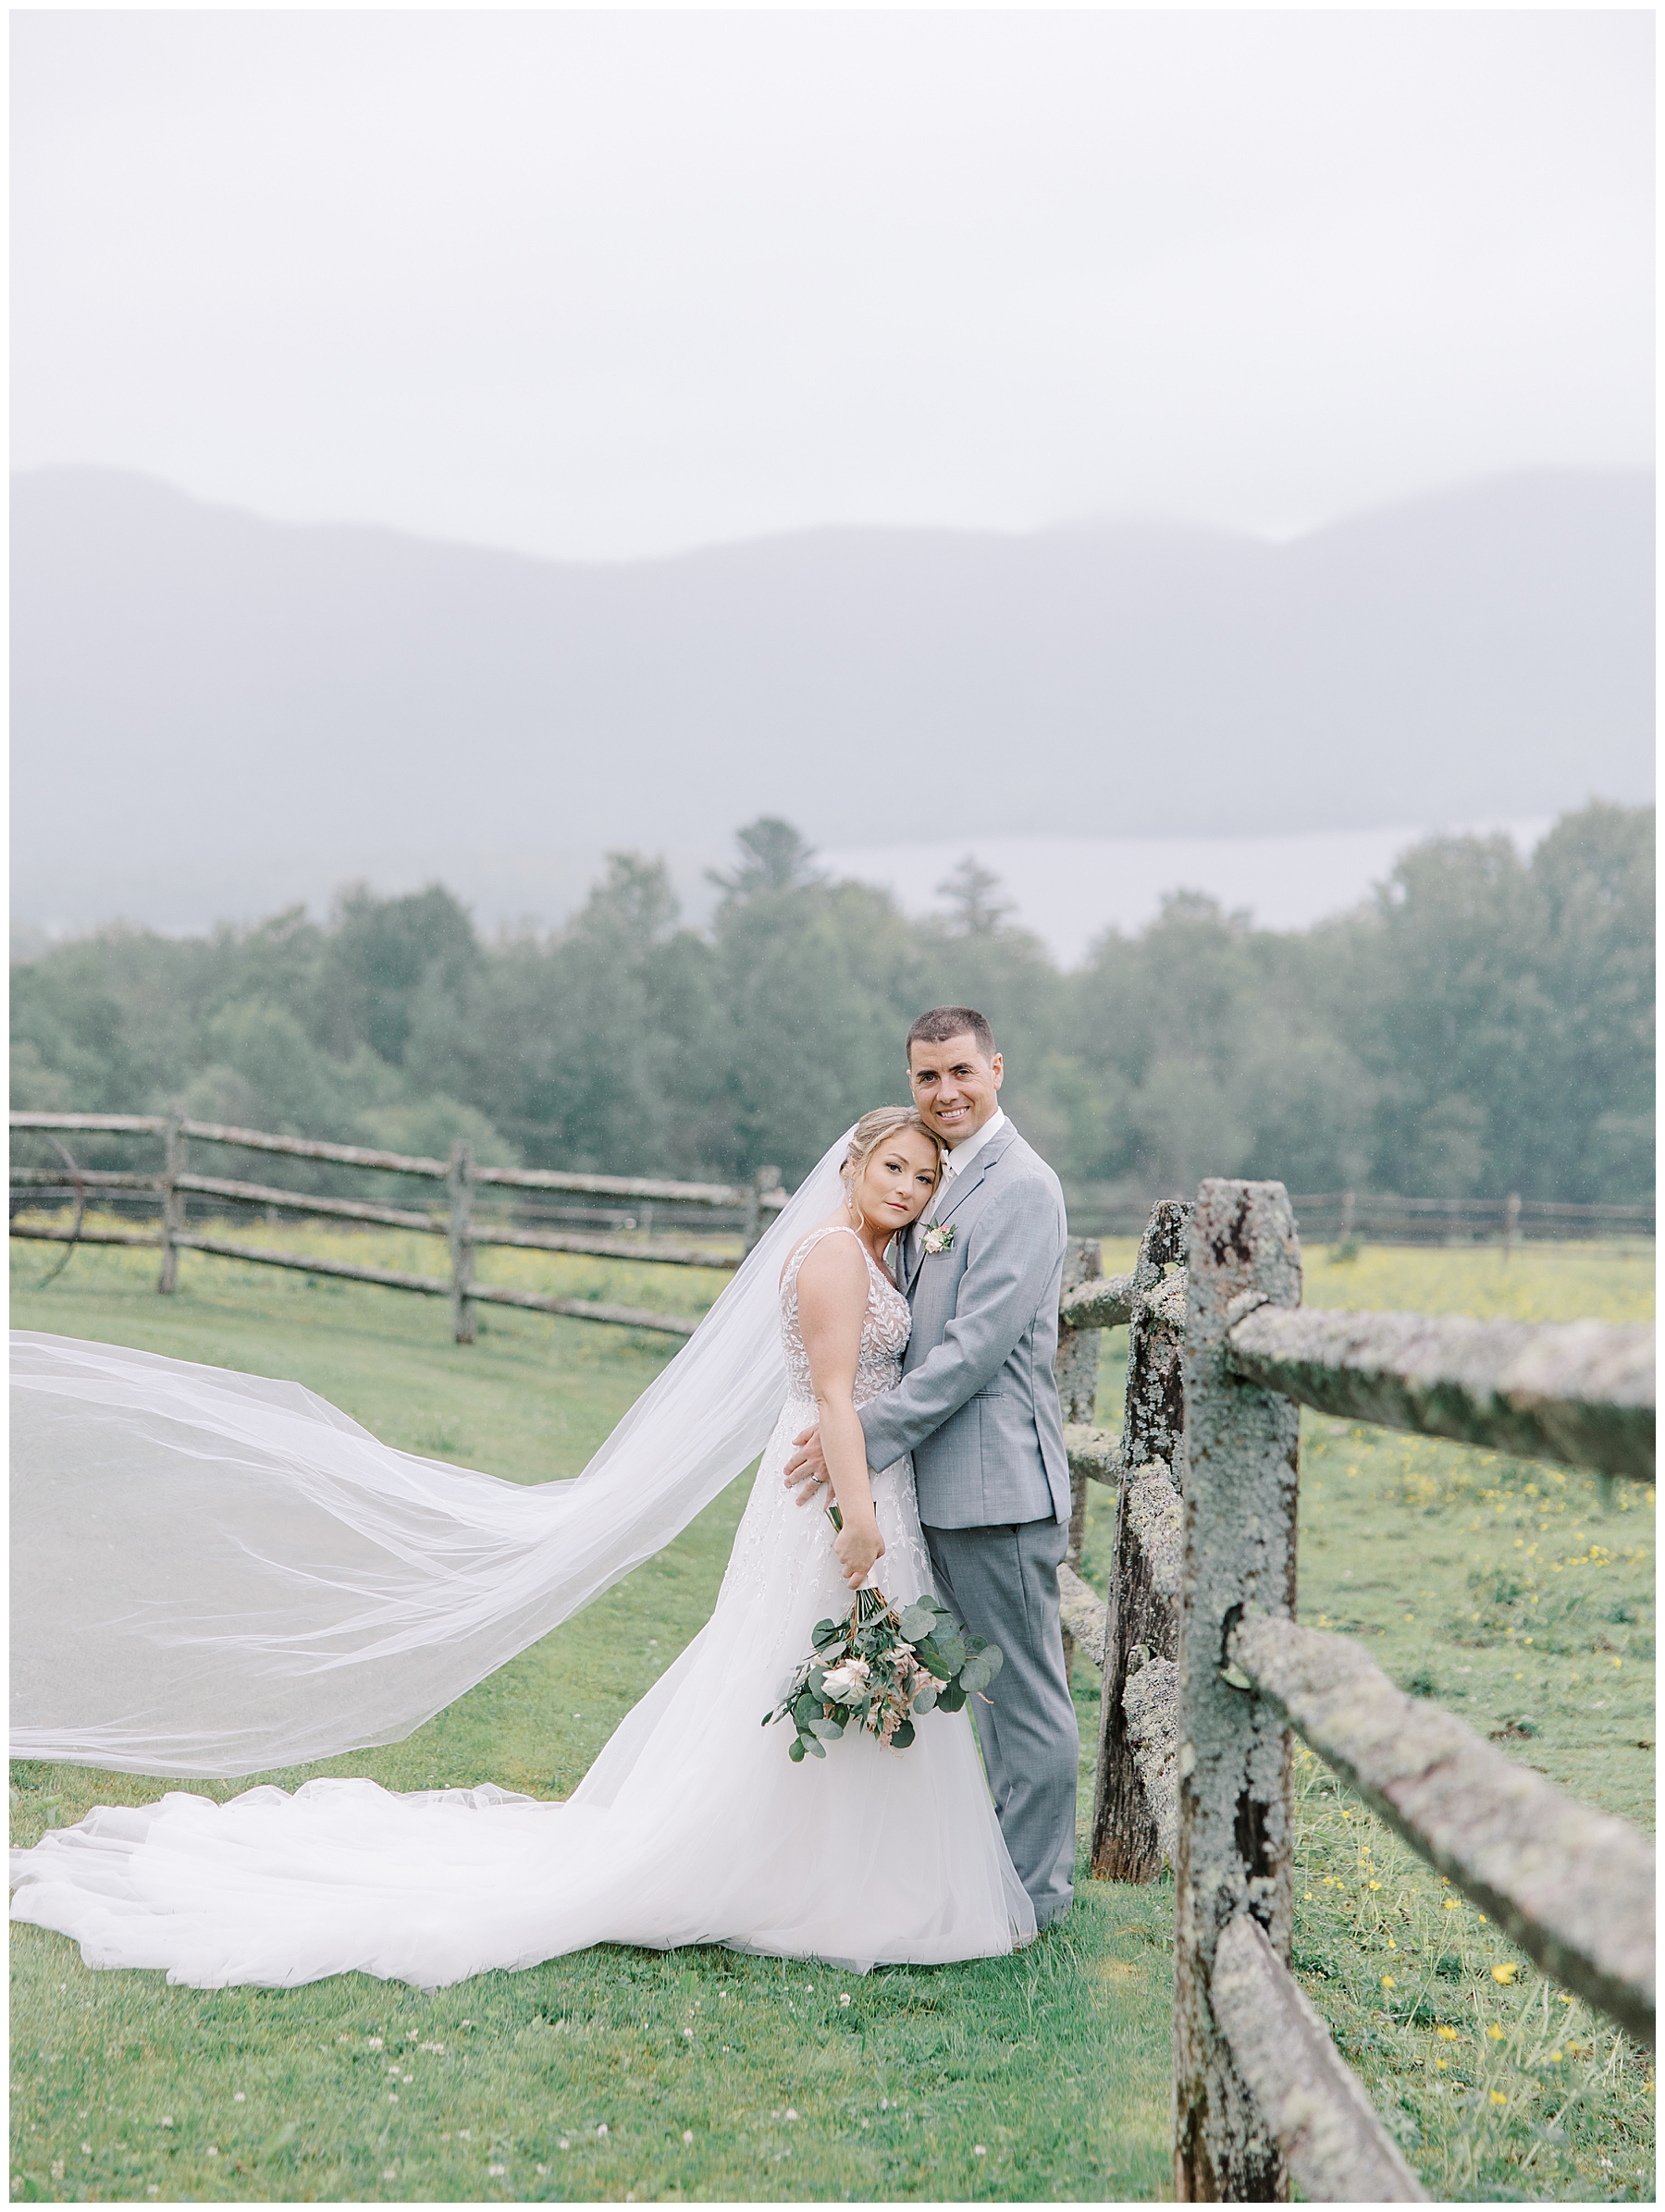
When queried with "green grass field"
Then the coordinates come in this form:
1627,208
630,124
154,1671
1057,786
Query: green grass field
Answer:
1505,1589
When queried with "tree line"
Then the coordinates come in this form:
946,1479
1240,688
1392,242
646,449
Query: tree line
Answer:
1482,1024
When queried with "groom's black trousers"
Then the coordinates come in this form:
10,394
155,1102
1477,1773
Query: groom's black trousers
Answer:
1001,1583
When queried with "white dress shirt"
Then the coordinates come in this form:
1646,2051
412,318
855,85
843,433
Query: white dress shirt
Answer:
960,1157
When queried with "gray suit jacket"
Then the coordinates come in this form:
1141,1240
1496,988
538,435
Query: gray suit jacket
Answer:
978,1404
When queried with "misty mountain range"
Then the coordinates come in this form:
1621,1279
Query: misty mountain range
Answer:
203,697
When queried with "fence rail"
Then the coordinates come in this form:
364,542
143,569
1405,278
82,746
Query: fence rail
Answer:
404,1163
455,1220
1383,1218
1572,1887
1339,1216
1310,2097
1581,1392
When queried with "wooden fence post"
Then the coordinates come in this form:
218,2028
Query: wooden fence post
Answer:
173,1203
1512,1221
1349,1206
766,1178
1142,1623
460,1193
1236,1809
1077,1368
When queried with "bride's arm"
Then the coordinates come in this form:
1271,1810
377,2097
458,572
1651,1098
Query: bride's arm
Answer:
832,1301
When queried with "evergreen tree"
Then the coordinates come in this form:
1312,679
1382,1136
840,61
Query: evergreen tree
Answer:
1482,1025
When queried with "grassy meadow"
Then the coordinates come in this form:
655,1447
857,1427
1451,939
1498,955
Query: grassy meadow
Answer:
1507,1589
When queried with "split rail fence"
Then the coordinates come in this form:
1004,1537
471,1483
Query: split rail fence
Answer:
1206,1672
1338,1216
464,1230
1372,1217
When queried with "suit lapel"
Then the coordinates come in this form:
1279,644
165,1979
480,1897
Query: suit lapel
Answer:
961,1189
913,1258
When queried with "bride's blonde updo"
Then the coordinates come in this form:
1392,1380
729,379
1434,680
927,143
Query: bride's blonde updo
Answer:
869,1133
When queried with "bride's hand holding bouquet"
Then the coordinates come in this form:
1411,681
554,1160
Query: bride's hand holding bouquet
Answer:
878,1669
859,1547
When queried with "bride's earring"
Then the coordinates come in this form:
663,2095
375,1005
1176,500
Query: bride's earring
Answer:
849,1192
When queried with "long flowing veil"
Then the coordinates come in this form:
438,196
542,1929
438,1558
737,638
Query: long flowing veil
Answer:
216,1574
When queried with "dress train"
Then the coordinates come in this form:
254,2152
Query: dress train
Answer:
692,1827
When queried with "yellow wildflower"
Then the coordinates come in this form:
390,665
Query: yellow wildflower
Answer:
1494,2033
1445,2034
1498,2097
1441,2064
1505,1973
1388,1982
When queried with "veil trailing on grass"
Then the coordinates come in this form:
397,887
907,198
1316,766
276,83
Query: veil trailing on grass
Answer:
216,1574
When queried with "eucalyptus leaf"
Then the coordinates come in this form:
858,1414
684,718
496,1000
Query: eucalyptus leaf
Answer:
795,1750
902,1736
925,1702
819,1749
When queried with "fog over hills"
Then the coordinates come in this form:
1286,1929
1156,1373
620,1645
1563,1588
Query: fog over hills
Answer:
209,706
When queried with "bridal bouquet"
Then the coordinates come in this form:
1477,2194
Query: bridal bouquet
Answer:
880,1667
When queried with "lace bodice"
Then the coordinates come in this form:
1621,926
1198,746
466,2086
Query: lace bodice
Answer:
884,1327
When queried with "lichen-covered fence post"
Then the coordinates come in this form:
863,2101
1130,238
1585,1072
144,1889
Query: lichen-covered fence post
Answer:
1076,1367
1235,1796
1132,1820
173,1202
460,1226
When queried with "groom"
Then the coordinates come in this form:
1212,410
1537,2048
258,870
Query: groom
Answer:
978,1407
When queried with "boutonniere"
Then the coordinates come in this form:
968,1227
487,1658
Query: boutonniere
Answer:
938,1237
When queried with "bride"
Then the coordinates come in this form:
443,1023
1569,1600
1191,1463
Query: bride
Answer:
225,1573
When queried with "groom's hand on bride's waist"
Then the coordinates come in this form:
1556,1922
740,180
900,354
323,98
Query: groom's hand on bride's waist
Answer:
806,1470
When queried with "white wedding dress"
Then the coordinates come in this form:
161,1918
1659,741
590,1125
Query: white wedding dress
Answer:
693,1825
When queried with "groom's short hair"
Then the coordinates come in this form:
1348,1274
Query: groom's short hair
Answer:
943,1022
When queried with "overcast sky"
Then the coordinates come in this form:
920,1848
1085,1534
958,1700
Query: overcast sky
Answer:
601,285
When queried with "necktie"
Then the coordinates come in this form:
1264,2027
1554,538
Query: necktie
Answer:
945,1186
